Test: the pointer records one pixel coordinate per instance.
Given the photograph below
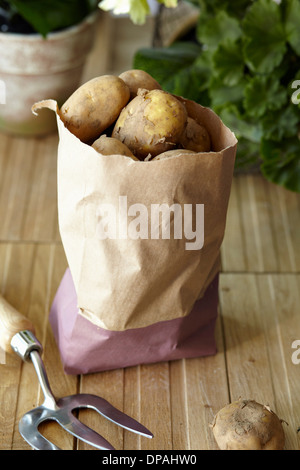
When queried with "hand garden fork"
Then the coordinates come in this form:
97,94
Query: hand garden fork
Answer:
17,334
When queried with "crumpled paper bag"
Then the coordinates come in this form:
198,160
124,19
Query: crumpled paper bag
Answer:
133,260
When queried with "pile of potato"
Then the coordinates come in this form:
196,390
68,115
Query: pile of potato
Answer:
131,115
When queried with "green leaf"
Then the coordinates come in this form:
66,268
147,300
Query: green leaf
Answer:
264,36
204,68
218,29
246,71
281,162
222,95
263,93
139,9
178,68
228,63
292,24
163,62
187,83
92,5
247,155
169,3
234,8
50,15
285,125
243,128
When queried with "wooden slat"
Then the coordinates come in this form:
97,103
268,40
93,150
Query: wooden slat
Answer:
28,206
61,384
262,230
132,405
15,286
14,189
261,319
108,385
28,396
9,385
233,256
279,301
40,222
206,391
246,348
155,405
178,392
286,227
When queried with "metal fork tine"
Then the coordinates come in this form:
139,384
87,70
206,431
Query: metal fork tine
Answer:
84,433
34,438
27,346
106,409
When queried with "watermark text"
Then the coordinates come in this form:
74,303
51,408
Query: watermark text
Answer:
296,95
137,221
2,92
2,356
296,353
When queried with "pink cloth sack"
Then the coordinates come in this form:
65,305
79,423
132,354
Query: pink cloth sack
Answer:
85,347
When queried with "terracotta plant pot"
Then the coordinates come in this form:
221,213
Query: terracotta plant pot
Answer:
33,68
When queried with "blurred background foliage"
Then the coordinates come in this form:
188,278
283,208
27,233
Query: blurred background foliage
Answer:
244,62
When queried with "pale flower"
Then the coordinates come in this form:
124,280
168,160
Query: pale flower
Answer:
119,7
137,9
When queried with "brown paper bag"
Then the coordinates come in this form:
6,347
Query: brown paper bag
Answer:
126,282
142,239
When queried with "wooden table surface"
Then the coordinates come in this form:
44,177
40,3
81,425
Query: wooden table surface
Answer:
259,301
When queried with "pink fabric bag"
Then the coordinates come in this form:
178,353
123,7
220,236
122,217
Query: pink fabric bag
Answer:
85,347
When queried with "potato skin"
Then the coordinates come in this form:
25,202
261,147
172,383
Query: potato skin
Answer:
110,146
172,153
94,106
151,123
136,79
248,425
195,137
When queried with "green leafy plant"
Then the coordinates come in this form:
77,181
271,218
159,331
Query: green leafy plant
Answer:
245,65
45,16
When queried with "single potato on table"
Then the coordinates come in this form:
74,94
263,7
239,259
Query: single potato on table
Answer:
248,425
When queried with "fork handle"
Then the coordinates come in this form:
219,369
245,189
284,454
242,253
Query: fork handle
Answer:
11,323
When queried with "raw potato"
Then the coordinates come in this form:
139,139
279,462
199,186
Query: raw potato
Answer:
195,137
248,425
110,146
94,106
136,79
152,122
172,153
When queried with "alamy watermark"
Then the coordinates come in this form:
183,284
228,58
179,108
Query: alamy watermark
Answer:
2,356
2,92
296,353
296,95
136,221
